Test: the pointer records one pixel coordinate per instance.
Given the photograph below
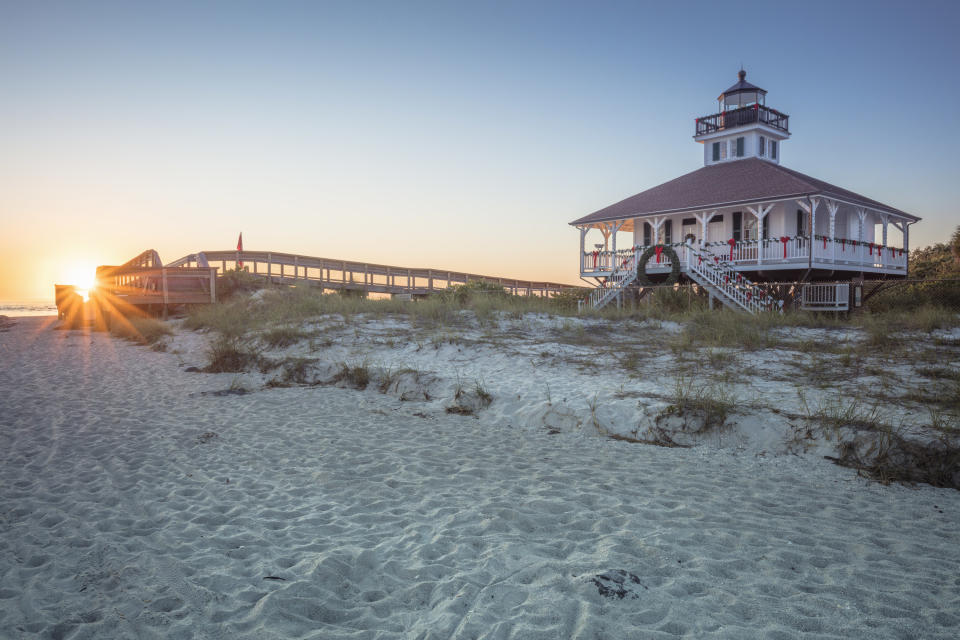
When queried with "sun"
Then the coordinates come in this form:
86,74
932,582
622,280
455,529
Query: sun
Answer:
83,277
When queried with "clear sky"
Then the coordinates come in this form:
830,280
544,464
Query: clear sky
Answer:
455,135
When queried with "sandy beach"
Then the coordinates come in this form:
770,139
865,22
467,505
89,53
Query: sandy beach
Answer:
140,499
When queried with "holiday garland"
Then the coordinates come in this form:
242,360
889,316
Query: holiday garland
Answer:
658,250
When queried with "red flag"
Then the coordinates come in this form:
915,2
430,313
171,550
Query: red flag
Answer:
240,248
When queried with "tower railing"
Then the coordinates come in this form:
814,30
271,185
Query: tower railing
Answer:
742,116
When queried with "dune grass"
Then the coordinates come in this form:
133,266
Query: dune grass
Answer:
142,330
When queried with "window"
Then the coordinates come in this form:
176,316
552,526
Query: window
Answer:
765,227
773,149
688,221
668,232
749,229
801,222
647,233
737,225
716,151
740,142
723,150
762,147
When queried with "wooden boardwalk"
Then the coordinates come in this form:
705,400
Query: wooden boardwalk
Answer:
144,280
339,275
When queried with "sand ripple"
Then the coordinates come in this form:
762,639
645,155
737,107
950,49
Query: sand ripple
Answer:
332,513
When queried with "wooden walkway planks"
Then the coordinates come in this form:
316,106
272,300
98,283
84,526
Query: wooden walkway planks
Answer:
359,276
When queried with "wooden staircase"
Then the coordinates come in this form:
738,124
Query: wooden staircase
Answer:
712,273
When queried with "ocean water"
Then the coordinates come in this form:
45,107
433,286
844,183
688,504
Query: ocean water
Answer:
13,308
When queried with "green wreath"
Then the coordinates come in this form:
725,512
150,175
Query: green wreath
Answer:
649,253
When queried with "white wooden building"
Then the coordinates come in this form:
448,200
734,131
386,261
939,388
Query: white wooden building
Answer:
743,219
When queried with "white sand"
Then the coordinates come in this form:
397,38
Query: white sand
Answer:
119,517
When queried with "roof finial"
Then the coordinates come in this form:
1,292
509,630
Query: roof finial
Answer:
742,74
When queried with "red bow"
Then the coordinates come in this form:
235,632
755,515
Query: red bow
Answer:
749,295
595,259
871,248
726,279
731,242
699,259
784,240
824,242
658,250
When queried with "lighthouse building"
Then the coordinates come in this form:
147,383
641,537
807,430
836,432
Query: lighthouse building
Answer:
742,220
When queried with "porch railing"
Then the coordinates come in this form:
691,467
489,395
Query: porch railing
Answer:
605,262
796,249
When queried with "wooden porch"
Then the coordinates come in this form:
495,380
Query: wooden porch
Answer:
769,254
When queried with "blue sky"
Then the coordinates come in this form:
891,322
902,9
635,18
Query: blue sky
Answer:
452,135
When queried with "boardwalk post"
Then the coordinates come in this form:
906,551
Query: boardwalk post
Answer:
166,294
269,267
213,286
296,267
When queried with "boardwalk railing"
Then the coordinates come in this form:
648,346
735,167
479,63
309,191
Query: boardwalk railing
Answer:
157,285
361,276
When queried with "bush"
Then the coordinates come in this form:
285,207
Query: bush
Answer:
238,282
230,355
142,330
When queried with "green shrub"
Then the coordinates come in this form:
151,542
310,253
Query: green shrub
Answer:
238,282
230,355
142,330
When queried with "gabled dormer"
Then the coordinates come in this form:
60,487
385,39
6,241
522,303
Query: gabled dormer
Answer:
744,126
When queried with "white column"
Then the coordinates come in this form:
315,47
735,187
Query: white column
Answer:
906,236
861,214
832,207
583,248
704,219
657,222
883,253
811,210
760,213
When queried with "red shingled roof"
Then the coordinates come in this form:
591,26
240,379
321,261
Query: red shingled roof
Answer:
729,183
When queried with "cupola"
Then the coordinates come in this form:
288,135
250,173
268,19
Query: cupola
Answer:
743,127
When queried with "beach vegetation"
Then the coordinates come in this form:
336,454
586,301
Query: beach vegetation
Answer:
140,329
238,282
356,376
283,336
887,455
231,354
704,406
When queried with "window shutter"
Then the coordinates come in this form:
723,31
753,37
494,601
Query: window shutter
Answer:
763,145
773,149
647,232
737,225
668,232
801,217
740,142
716,151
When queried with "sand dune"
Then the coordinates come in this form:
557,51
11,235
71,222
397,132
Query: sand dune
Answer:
136,502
